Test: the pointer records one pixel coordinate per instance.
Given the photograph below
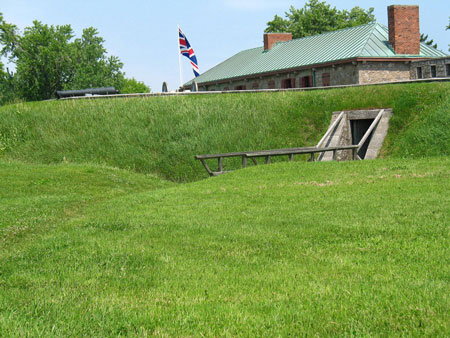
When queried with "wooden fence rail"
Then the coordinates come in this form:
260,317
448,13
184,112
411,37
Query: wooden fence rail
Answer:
267,154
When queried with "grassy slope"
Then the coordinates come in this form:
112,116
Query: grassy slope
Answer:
162,134
355,248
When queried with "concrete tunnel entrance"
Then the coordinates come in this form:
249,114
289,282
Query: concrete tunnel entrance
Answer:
349,127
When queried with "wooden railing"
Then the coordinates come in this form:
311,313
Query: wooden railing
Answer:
268,154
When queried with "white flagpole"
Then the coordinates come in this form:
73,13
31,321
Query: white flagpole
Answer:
179,57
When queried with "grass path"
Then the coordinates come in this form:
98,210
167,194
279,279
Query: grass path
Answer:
354,248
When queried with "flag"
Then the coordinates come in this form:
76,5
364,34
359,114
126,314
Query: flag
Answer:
186,50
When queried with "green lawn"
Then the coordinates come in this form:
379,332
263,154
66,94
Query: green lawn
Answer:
289,249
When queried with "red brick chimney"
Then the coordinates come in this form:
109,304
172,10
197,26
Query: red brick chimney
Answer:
404,30
271,38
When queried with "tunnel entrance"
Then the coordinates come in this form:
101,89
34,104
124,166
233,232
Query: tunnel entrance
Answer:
358,129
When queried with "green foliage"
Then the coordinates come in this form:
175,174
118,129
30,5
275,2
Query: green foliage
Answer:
354,249
47,59
424,39
42,58
162,134
130,86
91,66
447,28
8,87
318,17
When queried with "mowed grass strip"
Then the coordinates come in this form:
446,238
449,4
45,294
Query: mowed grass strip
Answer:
355,248
35,196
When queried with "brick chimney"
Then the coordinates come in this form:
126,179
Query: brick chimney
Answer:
271,38
404,30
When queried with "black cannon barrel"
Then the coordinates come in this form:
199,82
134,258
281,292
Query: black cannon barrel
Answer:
83,92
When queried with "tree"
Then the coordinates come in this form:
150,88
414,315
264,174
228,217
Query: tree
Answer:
317,17
447,28
130,86
47,59
424,39
8,88
42,59
91,66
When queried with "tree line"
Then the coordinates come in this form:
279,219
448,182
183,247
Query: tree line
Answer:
50,58
317,17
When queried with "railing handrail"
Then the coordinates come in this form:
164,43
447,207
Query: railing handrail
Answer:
282,152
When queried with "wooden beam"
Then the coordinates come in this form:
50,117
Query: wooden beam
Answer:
220,164
206,167
244,161
371,128
330,130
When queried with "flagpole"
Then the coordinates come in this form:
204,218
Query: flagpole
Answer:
179,57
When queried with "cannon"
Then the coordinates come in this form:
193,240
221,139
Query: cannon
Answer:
86,92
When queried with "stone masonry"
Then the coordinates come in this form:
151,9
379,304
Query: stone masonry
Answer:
424,69
333,75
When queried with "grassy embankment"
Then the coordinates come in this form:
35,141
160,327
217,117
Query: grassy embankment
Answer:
355,248
161,135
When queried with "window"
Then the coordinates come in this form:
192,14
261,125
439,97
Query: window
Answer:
325,79
419,73
243,87
255,85
433,71
447,69
288,83
306,81
271,84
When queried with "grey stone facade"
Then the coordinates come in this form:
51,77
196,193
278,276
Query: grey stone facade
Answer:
356,72
424,69
382,71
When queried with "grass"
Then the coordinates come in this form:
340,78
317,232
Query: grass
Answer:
290,249
161,135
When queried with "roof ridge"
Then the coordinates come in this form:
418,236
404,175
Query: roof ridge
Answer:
330,32
368,38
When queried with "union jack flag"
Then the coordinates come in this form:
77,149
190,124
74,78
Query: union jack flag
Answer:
186,50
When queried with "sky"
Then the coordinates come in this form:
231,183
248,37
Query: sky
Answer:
143,34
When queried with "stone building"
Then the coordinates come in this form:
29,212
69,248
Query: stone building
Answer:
426,69
370,53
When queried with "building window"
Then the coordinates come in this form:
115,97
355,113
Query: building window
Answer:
433,71
325,79
243,87
271,84
447,69
288,83
419,73
255,85
306,81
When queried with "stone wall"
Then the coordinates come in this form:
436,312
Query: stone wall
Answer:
383,71
342,74
364,72
442,68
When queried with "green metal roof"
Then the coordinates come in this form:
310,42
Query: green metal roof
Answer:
364,41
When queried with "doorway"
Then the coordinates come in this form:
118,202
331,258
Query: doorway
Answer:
358,129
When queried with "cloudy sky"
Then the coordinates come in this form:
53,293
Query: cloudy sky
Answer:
143,34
